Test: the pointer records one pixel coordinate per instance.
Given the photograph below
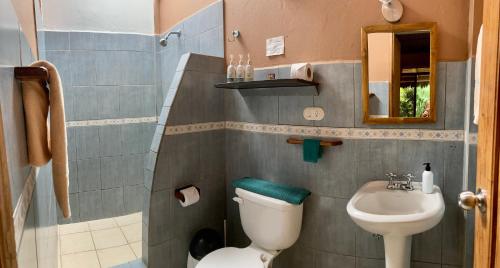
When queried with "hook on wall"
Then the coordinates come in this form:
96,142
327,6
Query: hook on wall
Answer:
392,10
236,34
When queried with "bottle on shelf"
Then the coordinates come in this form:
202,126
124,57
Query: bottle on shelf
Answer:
249,70
240,70
231,70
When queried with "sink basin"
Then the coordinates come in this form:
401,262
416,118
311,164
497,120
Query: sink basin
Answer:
397,215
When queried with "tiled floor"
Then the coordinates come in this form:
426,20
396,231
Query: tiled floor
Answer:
112,242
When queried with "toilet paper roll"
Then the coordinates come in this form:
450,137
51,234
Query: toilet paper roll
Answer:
191,196
301,71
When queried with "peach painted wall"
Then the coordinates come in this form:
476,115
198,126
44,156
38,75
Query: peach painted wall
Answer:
325,30
26,16
170,12
322,30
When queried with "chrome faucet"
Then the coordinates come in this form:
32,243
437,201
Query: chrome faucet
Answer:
395,184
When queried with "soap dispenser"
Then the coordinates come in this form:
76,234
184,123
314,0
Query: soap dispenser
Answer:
240,70
427,179
249,70
231,70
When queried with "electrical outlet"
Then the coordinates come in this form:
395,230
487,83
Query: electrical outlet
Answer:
314,113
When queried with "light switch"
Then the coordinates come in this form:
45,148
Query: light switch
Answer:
275,46
314,113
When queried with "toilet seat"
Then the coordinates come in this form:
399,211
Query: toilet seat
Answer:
230,257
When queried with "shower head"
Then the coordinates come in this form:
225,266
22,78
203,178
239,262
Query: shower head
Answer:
164,40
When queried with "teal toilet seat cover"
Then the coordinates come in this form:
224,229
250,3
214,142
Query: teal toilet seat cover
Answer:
290,194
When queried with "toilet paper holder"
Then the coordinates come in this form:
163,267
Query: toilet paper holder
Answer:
180,196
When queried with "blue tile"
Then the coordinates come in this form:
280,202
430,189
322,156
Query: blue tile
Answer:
122,41
131,74
212,155
109,142
87,142
210,43
82,40
149,105
427,246
85,103
111,172
325,259
90,205
369,263
132,139
453,171
89,175
453,236
69,103
71,142
83,68
455,95
73,177
56,40
108,101
62,61
336,94
112,202
131,101
291,110
133,169
160,217
109,69
133,198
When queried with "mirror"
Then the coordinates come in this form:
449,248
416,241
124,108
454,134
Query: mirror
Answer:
399,73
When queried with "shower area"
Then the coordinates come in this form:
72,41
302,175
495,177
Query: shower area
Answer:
115,76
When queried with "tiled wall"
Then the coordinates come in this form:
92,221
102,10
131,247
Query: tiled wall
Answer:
105,76
329,237
179,160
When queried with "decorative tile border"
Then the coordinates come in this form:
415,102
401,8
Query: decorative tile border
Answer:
327,132
192,128
107,122
23,204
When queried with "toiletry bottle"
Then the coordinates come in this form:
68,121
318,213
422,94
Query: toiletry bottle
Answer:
249,70
231,70
240,70
427,179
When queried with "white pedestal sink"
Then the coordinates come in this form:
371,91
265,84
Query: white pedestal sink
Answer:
397,215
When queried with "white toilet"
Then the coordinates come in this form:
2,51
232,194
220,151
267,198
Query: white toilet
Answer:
272,224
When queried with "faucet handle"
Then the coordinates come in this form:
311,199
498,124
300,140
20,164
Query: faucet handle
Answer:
409,177
391,176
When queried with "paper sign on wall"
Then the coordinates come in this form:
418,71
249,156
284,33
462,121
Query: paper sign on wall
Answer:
275,46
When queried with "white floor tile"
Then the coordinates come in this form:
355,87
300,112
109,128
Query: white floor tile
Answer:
129,219
86,259
137,249
115,256
108,238
133,232
72,228
72,243
102,224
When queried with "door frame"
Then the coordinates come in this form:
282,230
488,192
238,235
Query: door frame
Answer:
8,257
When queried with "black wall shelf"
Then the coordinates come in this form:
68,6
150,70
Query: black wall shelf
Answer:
277,87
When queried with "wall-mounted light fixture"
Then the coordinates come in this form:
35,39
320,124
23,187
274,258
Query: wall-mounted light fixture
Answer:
392,10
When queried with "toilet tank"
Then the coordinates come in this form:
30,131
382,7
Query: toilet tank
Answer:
270,223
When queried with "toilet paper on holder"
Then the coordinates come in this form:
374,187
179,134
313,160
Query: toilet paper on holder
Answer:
301,71
188,195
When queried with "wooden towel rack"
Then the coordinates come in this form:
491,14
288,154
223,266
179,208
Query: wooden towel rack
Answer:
323,143
40,74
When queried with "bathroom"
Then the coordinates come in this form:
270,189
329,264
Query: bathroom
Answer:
168,104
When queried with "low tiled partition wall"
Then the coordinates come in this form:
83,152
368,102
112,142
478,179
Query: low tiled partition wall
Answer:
191,156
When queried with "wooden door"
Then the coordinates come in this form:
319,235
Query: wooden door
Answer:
486,241
7,239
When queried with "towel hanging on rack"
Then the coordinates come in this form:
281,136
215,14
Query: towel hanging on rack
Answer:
46,135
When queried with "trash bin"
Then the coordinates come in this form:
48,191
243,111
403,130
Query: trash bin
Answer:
203,242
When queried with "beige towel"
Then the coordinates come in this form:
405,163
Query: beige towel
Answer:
47,140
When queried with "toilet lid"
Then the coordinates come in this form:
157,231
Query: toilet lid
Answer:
232,257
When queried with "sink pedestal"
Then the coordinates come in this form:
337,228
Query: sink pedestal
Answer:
397,251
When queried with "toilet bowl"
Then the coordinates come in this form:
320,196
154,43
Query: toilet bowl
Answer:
271,224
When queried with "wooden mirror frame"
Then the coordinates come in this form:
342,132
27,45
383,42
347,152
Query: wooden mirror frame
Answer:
399,28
